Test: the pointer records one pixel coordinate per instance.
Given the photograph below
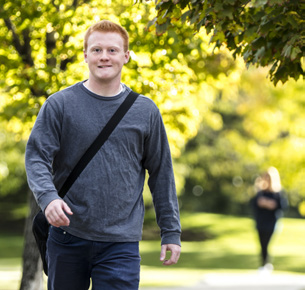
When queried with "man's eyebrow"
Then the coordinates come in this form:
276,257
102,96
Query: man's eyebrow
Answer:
108,46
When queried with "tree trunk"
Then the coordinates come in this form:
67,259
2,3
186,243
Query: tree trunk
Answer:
32,275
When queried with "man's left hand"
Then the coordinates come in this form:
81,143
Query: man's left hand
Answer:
175,254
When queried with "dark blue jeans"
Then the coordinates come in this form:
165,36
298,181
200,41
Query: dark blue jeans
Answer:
73,262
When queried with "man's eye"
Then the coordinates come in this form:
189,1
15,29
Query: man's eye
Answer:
96,50
112,50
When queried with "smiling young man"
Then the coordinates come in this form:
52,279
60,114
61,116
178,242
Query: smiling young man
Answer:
105,54
96,229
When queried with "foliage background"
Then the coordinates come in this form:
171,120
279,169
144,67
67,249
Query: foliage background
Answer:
225,123
264,32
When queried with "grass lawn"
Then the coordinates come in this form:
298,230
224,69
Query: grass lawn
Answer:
230,246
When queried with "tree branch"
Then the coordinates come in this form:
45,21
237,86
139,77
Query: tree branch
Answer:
50,45
24,49
75,3
16,40
27,50
64,62
56,6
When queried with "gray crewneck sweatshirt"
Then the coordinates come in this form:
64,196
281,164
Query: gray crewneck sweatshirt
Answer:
106,199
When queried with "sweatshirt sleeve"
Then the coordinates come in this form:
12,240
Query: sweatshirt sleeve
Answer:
158,162
42,146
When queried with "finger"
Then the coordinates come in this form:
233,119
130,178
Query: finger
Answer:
67,209
173,258
52,217
63,219
175,254
60,218
163,252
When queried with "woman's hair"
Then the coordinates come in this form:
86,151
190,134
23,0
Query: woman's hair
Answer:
269,180
275,180
107,26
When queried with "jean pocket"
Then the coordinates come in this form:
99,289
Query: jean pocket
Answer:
59,235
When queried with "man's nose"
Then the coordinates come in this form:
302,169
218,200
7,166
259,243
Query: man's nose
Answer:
104,55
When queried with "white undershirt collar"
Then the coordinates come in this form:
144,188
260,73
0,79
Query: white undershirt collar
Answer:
121,90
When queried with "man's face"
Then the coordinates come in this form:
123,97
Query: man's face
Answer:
105,56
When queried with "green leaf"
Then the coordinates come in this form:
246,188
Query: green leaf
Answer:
161,28
286,52
295,52
259,42
293,18
185,16
265,28
259,54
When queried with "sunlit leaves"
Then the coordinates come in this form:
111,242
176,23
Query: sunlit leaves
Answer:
42,52
262,125
265,33
190,80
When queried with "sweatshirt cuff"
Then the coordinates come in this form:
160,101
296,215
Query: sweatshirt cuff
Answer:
172,238
45,201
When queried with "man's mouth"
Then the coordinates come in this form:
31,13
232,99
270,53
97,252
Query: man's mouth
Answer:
104,66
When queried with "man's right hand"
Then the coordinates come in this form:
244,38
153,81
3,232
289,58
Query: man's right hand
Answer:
55,213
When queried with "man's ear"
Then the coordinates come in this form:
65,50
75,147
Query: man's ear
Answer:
127,56
85,56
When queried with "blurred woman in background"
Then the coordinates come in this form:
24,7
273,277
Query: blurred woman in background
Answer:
268,206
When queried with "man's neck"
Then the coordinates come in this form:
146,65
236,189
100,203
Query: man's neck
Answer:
105,90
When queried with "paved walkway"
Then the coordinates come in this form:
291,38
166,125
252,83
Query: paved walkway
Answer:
249,281
255,281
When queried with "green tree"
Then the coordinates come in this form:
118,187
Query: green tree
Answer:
256,125
265,32
38,50
41,53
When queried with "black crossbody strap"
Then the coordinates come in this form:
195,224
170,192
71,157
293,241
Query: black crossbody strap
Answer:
98,142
